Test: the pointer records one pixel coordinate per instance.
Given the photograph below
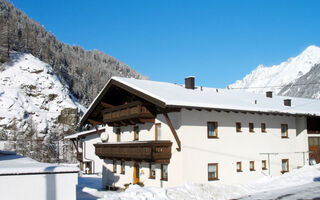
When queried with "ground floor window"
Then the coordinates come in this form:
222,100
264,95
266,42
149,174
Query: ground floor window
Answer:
264,164
239,167
212,171
123,167
251,164
285,165
164,172
114,163
152,171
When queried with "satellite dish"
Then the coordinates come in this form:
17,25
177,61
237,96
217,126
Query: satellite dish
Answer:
104,136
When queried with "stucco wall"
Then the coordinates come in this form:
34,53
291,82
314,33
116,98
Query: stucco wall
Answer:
191,164
39,187
89,152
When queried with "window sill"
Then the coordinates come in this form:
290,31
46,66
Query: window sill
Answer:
164,179
252,170
284,137
213,137
282,172
239,171
213,179
122,173
264,168
151,177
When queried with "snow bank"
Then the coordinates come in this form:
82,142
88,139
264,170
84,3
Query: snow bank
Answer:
301,177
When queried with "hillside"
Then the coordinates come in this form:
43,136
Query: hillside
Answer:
85,72
36,109
298,76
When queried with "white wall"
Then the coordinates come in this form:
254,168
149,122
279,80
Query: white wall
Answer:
190,165
89,152
39,187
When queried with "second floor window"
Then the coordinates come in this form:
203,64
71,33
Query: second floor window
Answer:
136,133
212,128
118,133
284,130
158,131
251,127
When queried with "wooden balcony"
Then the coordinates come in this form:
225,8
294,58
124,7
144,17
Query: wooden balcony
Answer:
80,156
141,151
127,114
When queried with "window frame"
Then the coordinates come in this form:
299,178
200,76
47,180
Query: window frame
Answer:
217,172
150,171
284,171
122,168
136,131
238,130
162,172
264,165
157,137
263,129
114,166
287,131
215,129
240,164
253,167
251,129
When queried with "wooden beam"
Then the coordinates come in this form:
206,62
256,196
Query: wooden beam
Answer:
75,145
106,105
147,120
173,131
94,123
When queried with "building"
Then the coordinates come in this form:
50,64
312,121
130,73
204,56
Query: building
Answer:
164,134
89,162
24,178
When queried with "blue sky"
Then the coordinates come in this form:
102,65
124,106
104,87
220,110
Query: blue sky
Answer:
167,40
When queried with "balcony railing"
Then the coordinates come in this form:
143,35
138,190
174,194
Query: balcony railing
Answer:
130,111
146,151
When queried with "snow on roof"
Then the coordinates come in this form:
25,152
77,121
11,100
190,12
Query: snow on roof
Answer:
174,95
83,133
13,164
203,97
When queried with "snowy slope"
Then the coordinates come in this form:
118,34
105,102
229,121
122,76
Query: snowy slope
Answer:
29,89
263,78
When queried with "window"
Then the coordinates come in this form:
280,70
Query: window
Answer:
164,172
123,167
212,171
251,164
239,167
264,164
118,132
157,131
212,129
285,165
251,127
152,171
263,128
238,127
114,166
284,130
136,133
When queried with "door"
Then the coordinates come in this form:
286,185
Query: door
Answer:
314,150
136,173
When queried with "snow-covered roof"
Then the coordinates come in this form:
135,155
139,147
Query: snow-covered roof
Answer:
84,133
13,164
174,95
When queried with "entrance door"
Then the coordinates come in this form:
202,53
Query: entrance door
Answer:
314,150
136,173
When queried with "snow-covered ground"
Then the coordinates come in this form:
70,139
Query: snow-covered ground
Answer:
303,183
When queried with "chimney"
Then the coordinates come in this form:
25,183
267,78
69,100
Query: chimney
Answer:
269,94
189,82
287,102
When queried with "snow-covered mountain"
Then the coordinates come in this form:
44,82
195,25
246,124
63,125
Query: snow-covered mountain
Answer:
34,105
286,78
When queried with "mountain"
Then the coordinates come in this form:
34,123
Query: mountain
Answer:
36,109
298,76
85,72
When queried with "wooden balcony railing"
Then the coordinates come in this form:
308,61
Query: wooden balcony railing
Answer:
80,156
143,151
129,113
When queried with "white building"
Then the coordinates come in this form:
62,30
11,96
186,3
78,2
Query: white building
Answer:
24,178
83,142
163,134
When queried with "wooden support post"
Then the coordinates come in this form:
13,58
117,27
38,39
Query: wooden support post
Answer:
173,131
75,145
